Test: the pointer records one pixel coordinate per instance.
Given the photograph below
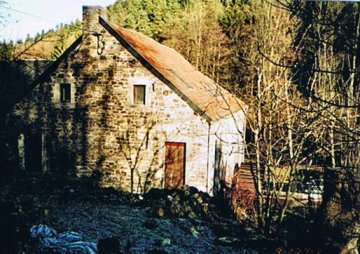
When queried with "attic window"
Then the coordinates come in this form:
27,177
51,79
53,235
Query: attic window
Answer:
139,94
65,92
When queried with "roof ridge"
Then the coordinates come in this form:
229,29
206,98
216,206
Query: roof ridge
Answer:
150,67
203,94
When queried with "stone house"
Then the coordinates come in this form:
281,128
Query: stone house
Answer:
122,104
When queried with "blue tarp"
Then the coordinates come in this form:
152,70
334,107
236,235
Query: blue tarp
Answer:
63,243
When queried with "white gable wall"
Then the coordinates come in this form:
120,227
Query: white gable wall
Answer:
228,135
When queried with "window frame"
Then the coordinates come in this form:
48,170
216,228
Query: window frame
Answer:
140,80
65,93
136,88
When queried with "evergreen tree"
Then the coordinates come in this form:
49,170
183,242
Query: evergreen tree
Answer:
6,50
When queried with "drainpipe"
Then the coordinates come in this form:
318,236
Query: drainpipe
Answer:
208,159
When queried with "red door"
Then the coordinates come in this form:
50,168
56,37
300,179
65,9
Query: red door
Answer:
174,164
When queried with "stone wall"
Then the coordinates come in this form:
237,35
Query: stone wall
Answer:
101,129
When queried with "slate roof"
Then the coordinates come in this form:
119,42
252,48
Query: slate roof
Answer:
200,92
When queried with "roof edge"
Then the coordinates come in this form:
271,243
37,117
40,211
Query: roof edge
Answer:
55,64
152,69
49,69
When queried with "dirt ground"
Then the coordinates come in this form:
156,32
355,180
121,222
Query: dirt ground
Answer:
142,225
161,221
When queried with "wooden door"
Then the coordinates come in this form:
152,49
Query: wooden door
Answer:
174,164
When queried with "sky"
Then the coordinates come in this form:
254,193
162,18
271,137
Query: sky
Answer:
24,17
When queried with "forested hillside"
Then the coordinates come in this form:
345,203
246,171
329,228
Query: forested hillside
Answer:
296,64
45,45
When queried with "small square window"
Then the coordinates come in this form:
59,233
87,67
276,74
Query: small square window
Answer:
139,94
65,92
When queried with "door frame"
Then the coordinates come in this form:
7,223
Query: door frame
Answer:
184,162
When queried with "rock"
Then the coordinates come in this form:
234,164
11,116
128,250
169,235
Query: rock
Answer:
191,189
175,210
192,215
165,242
109,246
177,198
160,212
185,202
205,207
229,241
194,232
187,209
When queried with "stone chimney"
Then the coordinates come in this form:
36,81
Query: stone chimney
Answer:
91,19
93,31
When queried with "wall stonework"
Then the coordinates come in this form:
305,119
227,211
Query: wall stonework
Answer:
101,129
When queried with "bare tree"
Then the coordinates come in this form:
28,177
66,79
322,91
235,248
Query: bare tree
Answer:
328,36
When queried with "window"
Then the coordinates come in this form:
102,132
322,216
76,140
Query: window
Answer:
65,92
139,94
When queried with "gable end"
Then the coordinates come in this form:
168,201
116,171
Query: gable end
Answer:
52,66
152,69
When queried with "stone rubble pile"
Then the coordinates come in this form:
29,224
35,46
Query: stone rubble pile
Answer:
187,202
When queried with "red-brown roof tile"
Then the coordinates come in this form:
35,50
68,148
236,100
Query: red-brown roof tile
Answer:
215,101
